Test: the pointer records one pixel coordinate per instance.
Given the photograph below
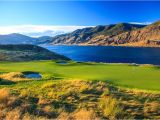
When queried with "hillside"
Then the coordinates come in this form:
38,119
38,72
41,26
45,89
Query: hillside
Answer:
86,35
43,39
27,53
148,36
119,34
16,38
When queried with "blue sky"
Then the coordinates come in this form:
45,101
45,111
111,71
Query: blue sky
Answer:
76,13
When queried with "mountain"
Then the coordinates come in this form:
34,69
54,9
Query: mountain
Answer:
16,38
147,36
123,34
27,53
88,35
44,39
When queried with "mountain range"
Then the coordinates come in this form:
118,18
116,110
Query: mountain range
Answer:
16,38
123,34
94,35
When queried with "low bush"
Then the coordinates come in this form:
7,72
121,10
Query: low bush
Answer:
13,115
110,107
4,95
13,76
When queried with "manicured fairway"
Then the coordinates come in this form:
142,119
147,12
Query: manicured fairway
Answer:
142,77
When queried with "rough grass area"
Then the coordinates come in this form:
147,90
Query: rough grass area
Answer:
13,76
84,91
75,99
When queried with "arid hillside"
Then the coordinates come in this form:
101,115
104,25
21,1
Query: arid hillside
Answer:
87,35
120,34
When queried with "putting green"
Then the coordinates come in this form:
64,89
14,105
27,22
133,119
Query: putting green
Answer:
141,77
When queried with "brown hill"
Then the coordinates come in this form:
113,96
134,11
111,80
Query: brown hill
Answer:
87,35
119,34
147,36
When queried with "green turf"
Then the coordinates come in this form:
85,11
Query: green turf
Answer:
141,77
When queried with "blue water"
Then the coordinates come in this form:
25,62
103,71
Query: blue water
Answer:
33,75
109,54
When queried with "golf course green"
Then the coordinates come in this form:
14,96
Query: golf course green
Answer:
146,77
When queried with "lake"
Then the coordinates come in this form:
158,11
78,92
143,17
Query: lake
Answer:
109,54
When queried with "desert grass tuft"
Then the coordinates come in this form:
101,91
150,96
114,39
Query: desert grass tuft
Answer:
110,107
13,115
4,95
13,76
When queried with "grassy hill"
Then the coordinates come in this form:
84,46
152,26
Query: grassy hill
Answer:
79,91
27,53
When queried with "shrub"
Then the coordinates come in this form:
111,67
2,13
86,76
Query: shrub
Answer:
4,95
24,93
27,116
13,115
13,76
43,101
84,115
48,85
110,107
48,76
106,92
63,116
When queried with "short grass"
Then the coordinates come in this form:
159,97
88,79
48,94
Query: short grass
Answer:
145,77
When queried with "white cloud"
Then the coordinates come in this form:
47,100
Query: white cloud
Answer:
141,23
38,30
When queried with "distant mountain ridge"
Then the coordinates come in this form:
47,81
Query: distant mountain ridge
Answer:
16,38
147,36
123,34
86,35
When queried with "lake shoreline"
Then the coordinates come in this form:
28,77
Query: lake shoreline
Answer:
108,54
129,46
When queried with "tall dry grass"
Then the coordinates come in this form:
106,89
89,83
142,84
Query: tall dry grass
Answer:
13,115
4,95
110,107
79,115
13,76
